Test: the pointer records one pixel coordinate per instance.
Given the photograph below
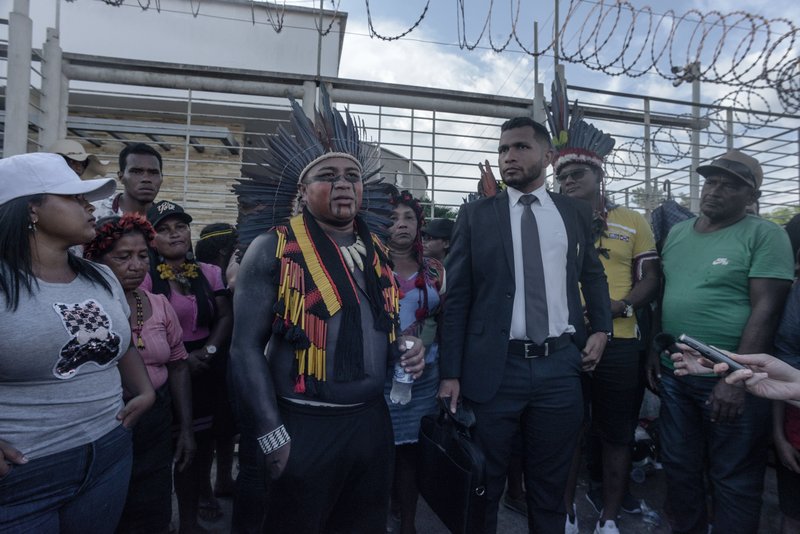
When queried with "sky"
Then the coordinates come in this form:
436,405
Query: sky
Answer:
430,54
509,72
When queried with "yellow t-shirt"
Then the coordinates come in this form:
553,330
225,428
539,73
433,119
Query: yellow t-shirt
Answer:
628,237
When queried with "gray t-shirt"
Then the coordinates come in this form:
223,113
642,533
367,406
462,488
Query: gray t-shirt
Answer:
59,383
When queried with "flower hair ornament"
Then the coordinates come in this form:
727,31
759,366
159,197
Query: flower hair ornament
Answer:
110,229
268,190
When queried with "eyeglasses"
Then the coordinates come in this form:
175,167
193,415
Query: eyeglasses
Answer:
576,175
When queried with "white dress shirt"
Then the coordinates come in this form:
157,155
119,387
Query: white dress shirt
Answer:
553,242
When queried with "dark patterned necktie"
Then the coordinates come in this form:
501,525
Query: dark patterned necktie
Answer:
536,320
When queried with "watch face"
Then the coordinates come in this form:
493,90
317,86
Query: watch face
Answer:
211,349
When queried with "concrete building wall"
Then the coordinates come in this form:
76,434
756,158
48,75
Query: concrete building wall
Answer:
222,35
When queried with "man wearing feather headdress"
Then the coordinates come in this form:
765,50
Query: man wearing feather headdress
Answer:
626,247
316,290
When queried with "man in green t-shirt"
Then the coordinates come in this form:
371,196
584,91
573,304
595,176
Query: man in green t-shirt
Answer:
726,276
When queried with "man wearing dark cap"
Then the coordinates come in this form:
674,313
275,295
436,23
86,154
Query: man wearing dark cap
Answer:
514,338
726,275
436,238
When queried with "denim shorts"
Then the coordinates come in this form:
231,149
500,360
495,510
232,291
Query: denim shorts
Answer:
75,491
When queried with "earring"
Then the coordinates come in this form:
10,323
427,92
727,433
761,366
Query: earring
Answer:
32,226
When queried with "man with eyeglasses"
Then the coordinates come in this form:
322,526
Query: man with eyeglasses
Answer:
726,275
140,173
627,249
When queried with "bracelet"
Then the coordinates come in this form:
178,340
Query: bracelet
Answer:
274,440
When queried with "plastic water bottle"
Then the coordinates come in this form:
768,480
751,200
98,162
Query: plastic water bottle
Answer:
401,383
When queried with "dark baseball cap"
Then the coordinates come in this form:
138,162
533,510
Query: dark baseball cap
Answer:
736,164
438,228
163,209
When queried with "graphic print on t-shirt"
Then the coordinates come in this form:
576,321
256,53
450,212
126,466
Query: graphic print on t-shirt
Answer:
92,337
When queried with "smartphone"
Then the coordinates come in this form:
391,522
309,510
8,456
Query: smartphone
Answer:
710,352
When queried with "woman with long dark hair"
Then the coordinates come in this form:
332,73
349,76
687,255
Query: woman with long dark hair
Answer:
123,245
200,300
65,357
421,286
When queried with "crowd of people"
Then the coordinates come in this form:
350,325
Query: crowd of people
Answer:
131,357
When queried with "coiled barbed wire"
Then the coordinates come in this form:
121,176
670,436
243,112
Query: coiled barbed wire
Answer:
374,33
737,49
616,38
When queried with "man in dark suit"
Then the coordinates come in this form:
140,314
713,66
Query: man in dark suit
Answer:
519,370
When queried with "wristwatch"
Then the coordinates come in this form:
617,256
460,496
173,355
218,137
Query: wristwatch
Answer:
628,311
211,350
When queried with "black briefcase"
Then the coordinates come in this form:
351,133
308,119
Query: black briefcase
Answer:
451,474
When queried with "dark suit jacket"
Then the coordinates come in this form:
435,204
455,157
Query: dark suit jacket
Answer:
480,290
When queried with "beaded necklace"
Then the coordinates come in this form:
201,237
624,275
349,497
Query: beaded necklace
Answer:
139,321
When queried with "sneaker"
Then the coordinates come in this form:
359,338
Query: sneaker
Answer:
571,525
517,505
631,505
606,527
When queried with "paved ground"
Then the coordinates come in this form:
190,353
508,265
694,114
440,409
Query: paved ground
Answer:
509,522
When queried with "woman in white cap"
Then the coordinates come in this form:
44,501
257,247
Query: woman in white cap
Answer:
65,357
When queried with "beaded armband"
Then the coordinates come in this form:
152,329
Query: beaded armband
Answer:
274,440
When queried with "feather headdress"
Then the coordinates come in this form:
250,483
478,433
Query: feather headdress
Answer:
268,189
575,140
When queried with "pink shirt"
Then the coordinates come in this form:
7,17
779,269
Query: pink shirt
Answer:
162,336
185,306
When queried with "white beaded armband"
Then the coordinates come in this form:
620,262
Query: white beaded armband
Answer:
274,440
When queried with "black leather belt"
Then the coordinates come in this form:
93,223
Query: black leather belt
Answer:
529,349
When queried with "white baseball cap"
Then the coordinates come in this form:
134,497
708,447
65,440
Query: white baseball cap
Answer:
44,173
74,150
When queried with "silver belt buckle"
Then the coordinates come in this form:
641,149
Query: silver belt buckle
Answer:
529,346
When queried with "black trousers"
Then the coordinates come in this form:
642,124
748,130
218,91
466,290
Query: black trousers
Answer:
338,478
542,397
148,507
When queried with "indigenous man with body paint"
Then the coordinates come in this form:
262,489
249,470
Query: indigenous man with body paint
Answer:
318,292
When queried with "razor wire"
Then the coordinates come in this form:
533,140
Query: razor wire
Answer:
743,50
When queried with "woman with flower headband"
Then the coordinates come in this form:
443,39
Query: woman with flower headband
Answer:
200,300
421,283
123,245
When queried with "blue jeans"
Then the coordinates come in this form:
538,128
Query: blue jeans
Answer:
75,491
734,455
